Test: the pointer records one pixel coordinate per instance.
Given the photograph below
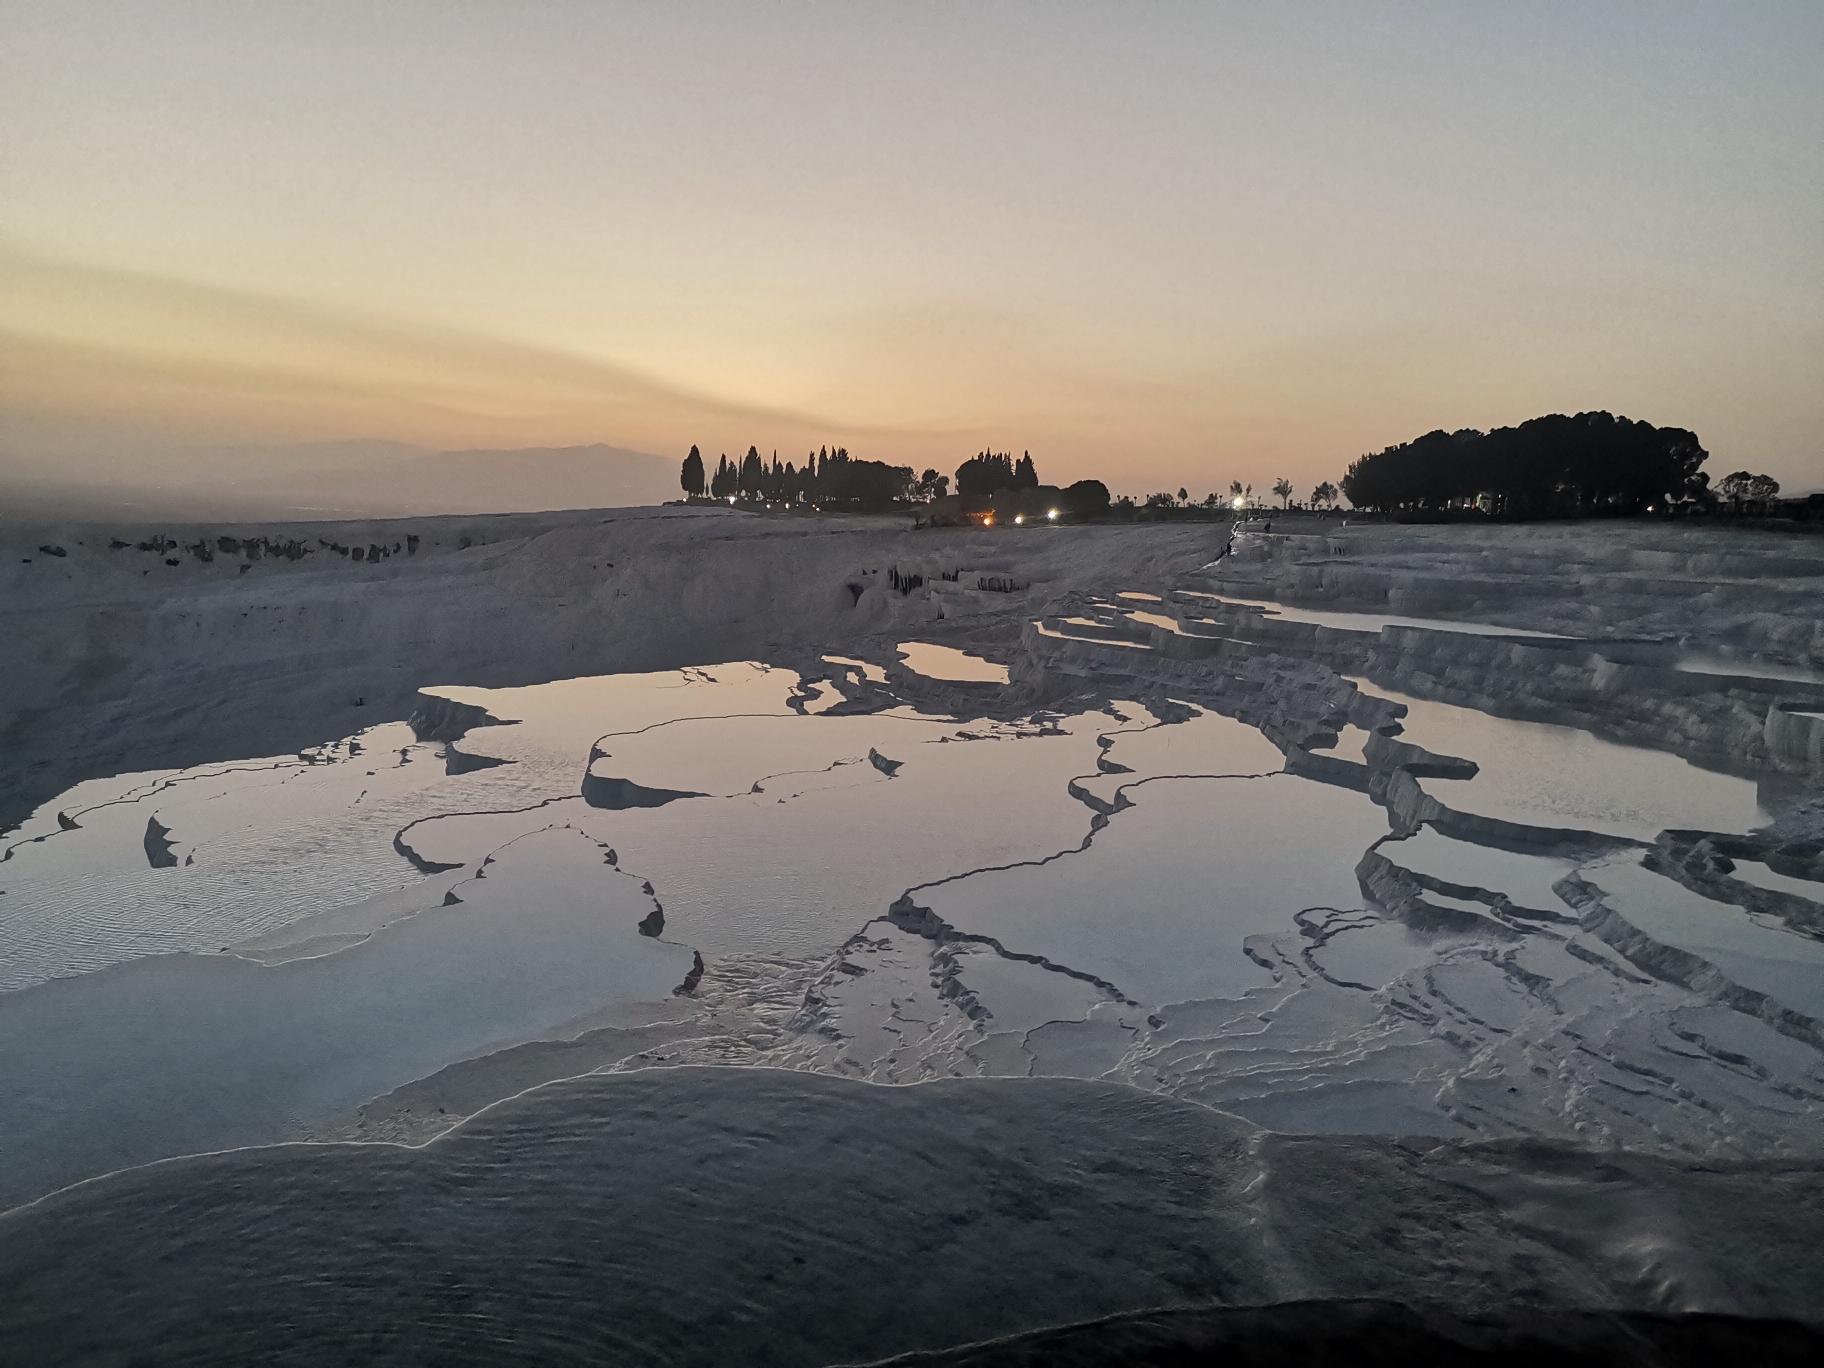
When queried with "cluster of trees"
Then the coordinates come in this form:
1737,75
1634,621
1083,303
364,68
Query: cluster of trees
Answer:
830,477
1014,485
1086,498
1742,488
1589,463
992,471
827,477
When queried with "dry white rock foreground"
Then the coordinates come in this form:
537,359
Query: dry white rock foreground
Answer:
1426,923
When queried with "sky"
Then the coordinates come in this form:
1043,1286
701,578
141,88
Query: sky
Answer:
1162,245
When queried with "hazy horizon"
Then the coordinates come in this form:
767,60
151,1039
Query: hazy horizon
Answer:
334,481
1162,247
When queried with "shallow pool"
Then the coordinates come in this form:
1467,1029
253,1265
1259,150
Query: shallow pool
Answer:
946,662
1361,621
1538,774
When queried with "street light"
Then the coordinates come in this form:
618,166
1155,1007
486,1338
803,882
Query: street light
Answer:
1053,515
1019,519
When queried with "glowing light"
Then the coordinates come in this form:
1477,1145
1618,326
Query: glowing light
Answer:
1053,515
1019,519
731,500
1238,501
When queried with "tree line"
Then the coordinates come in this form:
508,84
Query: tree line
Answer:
827,477
830,477
1553,466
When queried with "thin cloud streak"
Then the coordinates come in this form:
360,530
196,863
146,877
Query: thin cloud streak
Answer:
79,337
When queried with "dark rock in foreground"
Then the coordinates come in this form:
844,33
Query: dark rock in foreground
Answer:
721,1216
1368,1334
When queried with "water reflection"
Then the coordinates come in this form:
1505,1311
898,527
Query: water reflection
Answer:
1761,958
946,662
203,1052
1758,874
1161,902
1363,621
1539,774
1709,662
1082,870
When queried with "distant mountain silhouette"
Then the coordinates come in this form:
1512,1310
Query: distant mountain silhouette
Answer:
340,480
524,480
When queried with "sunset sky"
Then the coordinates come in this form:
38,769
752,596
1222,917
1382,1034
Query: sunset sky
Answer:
1164,245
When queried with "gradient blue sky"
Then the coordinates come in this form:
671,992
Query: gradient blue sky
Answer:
1161,244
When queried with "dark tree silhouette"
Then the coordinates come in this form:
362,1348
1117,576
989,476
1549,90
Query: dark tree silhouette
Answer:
1025,476
988,473
723,485
692,476
1740,487
1590,463
1283,488
1085,499
752,476
931,485
843,482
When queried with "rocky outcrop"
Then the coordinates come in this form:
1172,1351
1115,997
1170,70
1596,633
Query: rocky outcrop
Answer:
158,848
436,718
1383,752
419,863
606,791
462,762
1794,732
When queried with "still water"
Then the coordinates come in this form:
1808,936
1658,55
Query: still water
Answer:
244,952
